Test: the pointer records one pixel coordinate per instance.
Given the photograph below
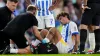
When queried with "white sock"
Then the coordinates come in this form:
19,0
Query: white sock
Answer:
12,45
92,41
36,42
47,40
16,46
13,50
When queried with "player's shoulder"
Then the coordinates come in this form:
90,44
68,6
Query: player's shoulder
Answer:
72,22
2,9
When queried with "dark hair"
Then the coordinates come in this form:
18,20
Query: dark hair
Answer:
63,14
31,8
15,1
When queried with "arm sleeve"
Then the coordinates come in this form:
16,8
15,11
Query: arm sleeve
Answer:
35,22
74,29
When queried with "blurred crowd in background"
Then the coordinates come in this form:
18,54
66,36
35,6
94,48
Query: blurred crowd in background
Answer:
73,7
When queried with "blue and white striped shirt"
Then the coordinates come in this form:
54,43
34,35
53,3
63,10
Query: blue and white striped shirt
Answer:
44,5
67,31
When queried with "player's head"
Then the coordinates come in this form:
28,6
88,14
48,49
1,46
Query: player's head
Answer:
12,4
63,17
32,9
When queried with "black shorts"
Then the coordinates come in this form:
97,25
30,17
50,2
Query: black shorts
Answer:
20,41
91,16
16,36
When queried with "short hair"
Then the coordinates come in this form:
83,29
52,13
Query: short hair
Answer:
15,1
63,14
31,8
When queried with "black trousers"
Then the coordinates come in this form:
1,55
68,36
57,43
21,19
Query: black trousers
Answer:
19,40
4,40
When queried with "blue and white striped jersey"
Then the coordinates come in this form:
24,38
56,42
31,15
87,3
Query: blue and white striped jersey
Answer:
67,31
43,5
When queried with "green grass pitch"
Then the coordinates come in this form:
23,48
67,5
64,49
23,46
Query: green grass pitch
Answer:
50,55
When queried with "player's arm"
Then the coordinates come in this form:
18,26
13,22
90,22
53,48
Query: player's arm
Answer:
84,5
85,2
75,36
77,40
55,4
37,33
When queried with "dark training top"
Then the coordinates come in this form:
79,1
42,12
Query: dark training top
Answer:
20,24
5,16
93,1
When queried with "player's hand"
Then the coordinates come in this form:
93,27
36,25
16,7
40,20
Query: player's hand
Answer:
51,7
45,41
85,7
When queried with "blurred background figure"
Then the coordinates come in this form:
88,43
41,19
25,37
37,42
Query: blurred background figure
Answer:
2,3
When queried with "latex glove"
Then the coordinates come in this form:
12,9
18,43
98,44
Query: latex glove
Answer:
46,40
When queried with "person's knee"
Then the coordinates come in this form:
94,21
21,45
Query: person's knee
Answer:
53,29
44,32
91,28
28,50
82,26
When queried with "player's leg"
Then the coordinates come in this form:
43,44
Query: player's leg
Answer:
49,21
96,22
55,37
86,20
44,32
91,39
20,41
83,37
41,24
4,41
53,34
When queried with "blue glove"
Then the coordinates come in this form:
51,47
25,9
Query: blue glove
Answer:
44,41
